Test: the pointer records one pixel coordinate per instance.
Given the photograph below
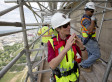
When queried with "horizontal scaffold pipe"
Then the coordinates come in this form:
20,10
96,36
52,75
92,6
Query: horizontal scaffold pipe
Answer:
103,7
43,71
8,66
35,24
37,49
15,1
18,24
100,12
8,10
4,34
107,19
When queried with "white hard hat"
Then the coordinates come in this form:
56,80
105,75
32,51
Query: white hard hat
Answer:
90,5
59,19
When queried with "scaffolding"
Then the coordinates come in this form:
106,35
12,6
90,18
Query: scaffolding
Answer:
65,7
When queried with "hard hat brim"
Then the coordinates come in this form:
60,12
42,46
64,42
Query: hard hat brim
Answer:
63,23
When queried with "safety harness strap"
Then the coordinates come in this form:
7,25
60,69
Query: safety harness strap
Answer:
57,45
66,73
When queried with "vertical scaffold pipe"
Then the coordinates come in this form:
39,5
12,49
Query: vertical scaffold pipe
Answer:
109,66
102,22
26,42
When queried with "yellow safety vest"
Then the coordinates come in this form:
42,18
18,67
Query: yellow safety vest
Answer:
66,65
85,31
47,35
55,33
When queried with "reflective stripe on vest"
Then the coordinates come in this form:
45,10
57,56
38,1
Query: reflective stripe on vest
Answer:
85,31
66,65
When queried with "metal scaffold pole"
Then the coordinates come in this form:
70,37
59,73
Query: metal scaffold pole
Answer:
109,66
8,10
26,42
102,22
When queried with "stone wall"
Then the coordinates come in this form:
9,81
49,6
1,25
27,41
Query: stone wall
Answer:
105,39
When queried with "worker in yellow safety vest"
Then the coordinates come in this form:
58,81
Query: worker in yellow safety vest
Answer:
88,22
64,51
47,35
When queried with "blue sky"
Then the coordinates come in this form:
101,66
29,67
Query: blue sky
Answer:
14,16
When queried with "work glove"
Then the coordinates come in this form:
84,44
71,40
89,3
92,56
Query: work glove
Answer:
93,18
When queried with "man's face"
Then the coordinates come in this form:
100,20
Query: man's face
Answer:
90,12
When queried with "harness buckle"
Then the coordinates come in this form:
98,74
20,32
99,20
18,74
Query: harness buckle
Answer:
66,73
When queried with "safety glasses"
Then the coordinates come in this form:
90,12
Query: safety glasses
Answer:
66,25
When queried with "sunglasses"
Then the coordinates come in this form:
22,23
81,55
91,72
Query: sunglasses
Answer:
92,11
66,25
